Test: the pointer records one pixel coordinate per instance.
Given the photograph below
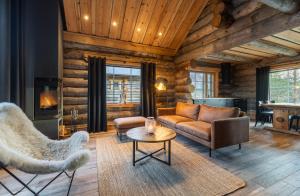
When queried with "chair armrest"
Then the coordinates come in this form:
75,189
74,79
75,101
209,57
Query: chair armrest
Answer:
166,111
229,132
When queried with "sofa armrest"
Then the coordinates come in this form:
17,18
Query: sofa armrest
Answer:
229,132
166,111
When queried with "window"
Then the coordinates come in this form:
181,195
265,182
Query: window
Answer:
123,84
285,86
203,83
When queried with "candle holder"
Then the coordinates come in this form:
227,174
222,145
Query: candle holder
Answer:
150,125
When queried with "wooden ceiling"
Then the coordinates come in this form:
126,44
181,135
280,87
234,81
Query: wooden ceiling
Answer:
286,43
159,23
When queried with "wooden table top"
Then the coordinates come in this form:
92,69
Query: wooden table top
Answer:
281,105
161,134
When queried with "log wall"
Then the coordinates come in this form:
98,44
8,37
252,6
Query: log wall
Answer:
75,83
244,86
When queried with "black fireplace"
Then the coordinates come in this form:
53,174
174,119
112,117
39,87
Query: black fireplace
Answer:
47,98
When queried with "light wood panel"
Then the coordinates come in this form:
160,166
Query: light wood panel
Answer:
151,22
143,20
118,12
103,17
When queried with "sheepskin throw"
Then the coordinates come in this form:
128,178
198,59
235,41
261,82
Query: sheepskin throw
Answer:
24,147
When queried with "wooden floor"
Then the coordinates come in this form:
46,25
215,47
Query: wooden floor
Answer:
269,163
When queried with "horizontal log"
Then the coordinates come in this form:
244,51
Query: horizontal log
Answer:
168,93
286,6
75,100
184,96
182,74
206,30
129,107
79,127
262,29
245,9
114,115
202,22
82,109
184,88
229,58
268,46
82,119
75,64
75,82
118,44
240,24
165,99
69,73
183,81
75,92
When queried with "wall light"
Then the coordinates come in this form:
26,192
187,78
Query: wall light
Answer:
138,29
86,17
114,23
161,84
160,34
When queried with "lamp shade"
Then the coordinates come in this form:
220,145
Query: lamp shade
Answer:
161,84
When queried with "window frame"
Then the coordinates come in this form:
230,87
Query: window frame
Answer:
215,72
129,94
289,88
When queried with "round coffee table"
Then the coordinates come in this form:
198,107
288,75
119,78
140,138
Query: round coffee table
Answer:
161,134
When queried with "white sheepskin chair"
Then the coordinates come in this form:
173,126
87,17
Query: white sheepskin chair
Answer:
25,148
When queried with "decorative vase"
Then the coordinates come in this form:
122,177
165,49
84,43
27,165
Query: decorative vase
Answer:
150,125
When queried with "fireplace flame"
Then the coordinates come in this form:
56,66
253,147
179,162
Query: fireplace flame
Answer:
47,100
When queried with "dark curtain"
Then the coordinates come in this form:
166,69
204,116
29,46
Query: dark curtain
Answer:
262,85
148,76
97,120
12,85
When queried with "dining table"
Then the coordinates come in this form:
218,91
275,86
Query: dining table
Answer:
281,116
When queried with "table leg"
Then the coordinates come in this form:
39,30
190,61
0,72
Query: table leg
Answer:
136,145
164,145
133,155
169,152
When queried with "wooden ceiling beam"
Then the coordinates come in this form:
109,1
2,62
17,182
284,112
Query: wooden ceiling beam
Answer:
286,6
84,54
268,46
228,57
118,44
269,26
278,61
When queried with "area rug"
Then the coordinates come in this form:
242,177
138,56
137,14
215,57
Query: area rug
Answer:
190,173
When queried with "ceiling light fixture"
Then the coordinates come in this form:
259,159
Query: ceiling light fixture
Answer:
160,34
138,29
86,17
114,23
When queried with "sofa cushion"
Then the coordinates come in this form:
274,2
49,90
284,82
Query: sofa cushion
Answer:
129,122
172,120
197,128
210,113
187,110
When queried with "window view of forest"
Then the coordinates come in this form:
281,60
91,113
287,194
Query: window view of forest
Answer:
203,83
123,84
285,86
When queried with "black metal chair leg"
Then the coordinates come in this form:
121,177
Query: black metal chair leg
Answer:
209,152
25,185
291,123
240,146
71,181
297,126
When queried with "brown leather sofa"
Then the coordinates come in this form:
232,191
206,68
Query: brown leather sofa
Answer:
214,127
